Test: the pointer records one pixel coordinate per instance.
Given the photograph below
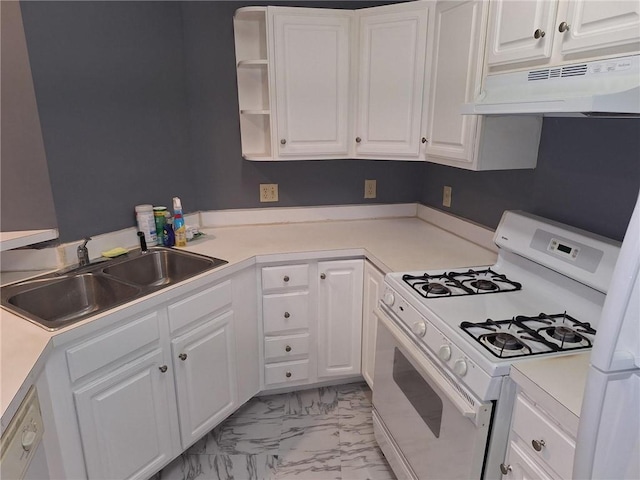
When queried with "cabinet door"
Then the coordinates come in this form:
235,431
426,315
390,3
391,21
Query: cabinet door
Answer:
513,27
204,360
456,76
339,317
391,79
595,25
373,285
125,420
312,58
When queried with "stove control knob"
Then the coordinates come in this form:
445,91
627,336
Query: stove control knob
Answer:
444,352
388,299
419,328
460,367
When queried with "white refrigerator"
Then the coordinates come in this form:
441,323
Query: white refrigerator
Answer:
608,443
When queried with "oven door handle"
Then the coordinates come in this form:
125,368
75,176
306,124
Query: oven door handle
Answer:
431,371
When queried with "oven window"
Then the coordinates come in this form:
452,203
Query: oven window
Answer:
426,402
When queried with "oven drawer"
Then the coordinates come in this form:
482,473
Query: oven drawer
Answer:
278,349
285,312
289,372
545,441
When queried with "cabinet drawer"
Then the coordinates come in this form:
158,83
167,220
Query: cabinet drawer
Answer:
278,349
289,311
197,306
532,425
100,351
289,372
284,277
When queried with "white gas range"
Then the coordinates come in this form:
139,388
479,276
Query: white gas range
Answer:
448,339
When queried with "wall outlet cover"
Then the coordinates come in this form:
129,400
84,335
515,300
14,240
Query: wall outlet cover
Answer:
268,192
370,189
446,196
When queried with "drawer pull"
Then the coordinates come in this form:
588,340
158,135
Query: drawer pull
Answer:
287,348
182,356
323,276
163,368
286,278
537,445
287,314
504,469
288,374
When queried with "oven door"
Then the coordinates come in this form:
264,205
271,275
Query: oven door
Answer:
439,429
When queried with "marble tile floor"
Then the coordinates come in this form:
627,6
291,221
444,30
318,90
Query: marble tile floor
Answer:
318,434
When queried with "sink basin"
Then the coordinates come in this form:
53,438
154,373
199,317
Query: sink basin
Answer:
61,298
56,303
161,267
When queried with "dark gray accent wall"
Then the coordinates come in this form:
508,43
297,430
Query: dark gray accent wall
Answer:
224,179
588,175
25,190
110,85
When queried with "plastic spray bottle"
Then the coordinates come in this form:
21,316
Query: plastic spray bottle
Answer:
179,228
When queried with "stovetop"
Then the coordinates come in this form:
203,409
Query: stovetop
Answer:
530,335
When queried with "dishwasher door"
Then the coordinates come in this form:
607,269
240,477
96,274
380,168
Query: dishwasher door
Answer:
22,455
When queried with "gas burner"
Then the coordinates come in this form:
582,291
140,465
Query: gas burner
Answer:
436,289
523,335
484,285
504,341
564,334
454,284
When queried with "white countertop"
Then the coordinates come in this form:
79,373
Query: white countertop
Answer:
560,379
397,244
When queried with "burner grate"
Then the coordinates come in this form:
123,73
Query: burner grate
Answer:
454,284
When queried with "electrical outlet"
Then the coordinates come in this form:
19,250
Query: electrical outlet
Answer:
446,196
369,189
268,192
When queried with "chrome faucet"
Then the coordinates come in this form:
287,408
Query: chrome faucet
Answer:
83,253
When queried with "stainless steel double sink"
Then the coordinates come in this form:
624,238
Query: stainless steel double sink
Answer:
61,298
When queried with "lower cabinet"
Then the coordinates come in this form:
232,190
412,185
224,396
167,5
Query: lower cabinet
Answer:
373,286
205,376
124,419
312,322
134,395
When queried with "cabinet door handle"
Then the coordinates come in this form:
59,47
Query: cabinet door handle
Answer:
286,278
358,139
424,140
538,34
287,314
504,469
287,348
563,27
537,445
283,141
323,276
182,356
163,368
288,374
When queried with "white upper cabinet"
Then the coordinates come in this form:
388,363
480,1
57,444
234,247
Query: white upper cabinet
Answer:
521,31
391,79
592,26
311,51
529,33
470,141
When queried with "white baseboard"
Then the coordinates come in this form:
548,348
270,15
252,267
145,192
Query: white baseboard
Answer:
461,227
263,216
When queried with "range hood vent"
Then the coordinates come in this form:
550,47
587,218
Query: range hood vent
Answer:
604,88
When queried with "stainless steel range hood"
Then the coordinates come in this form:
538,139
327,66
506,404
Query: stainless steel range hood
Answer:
606,88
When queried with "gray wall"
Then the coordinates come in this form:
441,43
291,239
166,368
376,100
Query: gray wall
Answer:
110,86
25,190
588,175
138,103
